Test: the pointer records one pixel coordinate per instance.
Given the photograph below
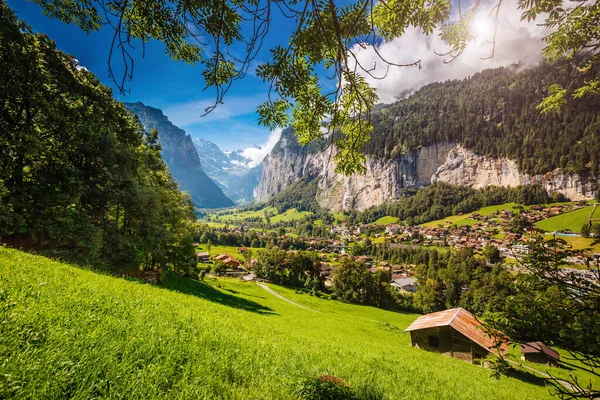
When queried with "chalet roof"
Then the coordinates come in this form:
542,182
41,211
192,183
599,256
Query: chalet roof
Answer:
202,254
405,281
459,319
539,347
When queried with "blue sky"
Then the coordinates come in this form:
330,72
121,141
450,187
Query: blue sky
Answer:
158,81
177,88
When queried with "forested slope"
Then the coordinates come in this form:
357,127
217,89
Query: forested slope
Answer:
493,113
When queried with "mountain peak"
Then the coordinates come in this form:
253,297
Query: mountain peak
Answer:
227,168
181,157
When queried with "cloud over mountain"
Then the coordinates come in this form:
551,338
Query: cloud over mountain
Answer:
516,41
257,153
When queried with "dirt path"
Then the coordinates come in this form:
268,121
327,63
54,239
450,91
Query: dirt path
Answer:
274,293
564,383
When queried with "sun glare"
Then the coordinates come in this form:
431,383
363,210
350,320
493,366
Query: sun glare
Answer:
482,25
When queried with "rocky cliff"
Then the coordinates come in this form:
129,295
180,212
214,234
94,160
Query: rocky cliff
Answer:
180,155
386,180
464,167
482,130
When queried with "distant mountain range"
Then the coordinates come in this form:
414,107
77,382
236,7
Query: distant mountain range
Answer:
181,157
231,170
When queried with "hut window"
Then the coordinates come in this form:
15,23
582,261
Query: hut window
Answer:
434,341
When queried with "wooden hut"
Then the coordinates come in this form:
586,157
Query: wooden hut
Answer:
539,352
203,257
456,333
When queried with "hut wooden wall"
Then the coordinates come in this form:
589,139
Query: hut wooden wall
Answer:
539,358
451,343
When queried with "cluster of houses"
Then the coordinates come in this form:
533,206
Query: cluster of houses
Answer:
402,276
482,230
229,260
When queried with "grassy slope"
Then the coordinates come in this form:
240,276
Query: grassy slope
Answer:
573,220
68,332
215,250
463,219
289,215
386,220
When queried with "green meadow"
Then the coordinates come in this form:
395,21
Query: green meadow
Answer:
68,332
464,219
215,250
290,215
238,216
572,221
386,220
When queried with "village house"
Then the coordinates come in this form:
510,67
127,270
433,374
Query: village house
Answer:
325,270
203,257
405,284
392,229
539,352
455,333
228,260
337,247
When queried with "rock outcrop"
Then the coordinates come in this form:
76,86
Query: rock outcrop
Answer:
386,180
465,168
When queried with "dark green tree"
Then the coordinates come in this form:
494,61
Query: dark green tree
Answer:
559,308
80,178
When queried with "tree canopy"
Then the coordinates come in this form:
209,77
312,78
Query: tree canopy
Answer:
298,96
80,178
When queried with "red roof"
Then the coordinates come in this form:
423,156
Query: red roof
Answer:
539,347
462,321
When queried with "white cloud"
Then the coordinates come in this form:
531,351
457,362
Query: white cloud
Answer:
190,113
79,66
256,155
516,41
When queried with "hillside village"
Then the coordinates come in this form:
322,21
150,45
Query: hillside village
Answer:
478,231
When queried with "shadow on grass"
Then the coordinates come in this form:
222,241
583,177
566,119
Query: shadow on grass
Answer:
207,292
247,295
526,376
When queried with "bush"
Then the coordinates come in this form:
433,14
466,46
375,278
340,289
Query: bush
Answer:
325,387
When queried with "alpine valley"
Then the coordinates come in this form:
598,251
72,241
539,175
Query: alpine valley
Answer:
443,244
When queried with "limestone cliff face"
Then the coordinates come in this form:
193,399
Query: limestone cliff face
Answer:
386,180
463,167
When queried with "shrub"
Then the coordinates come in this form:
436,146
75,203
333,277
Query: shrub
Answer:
325,387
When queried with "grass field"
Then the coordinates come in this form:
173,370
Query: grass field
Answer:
463,219
231,250
239,216
67,332
578,242
386,220
290,215
572,221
